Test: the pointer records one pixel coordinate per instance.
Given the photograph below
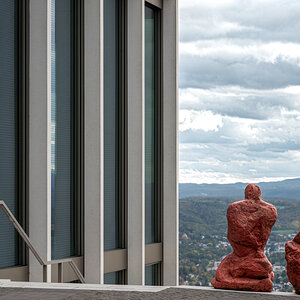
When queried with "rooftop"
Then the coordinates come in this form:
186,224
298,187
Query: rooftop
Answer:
46,291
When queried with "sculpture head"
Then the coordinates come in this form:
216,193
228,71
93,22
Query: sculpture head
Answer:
253,192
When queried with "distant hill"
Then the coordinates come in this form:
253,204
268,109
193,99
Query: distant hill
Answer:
289,188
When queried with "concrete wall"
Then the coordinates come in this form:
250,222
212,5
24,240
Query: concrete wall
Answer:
94,201
136,143
170,142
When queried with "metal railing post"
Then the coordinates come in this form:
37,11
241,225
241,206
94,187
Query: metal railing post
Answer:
45,273
44,264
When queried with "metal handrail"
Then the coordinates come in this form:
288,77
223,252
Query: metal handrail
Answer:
43,263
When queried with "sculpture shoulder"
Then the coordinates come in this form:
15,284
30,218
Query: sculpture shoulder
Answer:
235,206
270,207
249,206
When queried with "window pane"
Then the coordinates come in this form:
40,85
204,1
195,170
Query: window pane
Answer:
8,132
151,125
111,122
114,278
152,275
62,105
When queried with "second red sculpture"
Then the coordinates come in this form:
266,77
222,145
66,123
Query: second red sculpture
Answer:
249,226
292,256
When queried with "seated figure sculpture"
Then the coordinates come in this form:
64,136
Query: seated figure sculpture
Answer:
292,256
250,222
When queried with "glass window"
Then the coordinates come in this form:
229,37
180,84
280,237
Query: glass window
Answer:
63,146
152,125
113,125
152,274
114,277
10,137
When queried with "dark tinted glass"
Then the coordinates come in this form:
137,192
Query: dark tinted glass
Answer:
151,125
112,195
152,275
8,131
113,278
62,142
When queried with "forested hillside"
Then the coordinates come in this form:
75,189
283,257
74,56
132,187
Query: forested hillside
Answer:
203,242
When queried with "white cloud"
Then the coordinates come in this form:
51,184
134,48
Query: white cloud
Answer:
214,4
199,120
196,176
239,50
241,102
258,19
240,90
214,165
278,132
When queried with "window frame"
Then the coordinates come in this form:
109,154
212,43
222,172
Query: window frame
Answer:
154,251
158,120
78,150
23,45
116,260
155,3
78,121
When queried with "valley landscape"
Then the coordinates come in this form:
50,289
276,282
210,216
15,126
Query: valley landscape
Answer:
203,227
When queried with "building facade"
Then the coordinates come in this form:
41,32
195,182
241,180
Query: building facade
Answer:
88,139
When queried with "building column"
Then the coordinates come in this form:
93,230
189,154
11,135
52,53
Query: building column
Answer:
135,174
93,152
39,192
170,142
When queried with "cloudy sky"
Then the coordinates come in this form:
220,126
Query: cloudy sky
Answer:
239,80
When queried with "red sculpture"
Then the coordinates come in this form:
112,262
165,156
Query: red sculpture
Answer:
249,226
292,256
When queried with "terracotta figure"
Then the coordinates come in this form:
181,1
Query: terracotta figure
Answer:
249,226
292,256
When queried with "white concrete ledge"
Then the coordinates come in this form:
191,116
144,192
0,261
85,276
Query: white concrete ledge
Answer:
204,288
75,286
136,288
